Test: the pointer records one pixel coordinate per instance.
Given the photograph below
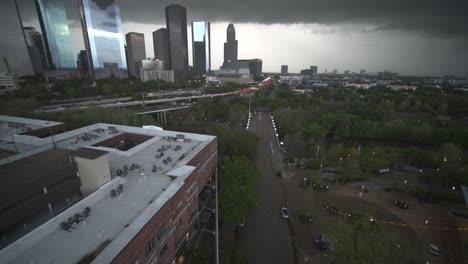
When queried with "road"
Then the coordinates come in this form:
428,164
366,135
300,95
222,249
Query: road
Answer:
265,238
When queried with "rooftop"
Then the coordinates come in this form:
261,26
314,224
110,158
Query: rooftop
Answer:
17,125
151,180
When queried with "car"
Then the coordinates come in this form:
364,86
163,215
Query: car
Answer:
434,249
322,242
284,212
400,204
331,209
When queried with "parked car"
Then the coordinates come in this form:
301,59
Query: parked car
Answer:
322,242
284,212
400,204
434,249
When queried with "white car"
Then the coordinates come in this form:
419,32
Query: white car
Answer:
284,212
434,249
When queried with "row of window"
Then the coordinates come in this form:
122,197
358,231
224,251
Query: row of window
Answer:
152,243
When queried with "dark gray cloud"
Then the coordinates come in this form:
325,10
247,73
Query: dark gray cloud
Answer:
431,17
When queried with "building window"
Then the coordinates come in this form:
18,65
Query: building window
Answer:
178,223
162,232
150,247
191,216
163,251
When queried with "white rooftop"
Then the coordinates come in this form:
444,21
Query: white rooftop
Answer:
16,125
115,219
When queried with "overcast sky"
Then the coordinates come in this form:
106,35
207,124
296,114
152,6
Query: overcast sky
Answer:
412,37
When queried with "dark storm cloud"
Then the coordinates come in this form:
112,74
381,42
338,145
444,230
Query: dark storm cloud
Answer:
432,17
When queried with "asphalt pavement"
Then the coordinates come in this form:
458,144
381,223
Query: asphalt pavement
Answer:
266,237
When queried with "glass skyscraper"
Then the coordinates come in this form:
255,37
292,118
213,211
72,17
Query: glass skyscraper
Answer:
13,44
201,48
176,24
54,25
102,32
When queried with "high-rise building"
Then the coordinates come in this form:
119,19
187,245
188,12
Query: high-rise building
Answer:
136,52
82,63
161,47
7,79
313,70
104,41
230,49
36,49
346,72
176,24
54,25
255,66
201,48
284,69
362,72
152,69
335,71
13,44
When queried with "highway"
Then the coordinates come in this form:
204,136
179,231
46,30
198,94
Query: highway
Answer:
136,103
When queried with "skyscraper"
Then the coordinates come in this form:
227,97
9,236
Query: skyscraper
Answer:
255,66
161,47
230,49
54,25
313,70
36,49
13,45
284,69
104,41
176,24
136,52
201,47
82,63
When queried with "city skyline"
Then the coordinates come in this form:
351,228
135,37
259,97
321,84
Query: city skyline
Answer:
361,43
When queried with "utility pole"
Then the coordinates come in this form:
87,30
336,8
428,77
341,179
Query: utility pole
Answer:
217,212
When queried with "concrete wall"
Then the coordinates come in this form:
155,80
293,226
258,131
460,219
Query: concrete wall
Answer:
93,173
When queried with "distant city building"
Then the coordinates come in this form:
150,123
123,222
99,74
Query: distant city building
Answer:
176,24
152,69
161,47
362,72
13,44
387,75
83,64
241,75
291,80
255,66
7,78
326,71
335,71
201,48
230,48
36,49
284,69
110,70
136,52
310,72
54,25
346,72
104,41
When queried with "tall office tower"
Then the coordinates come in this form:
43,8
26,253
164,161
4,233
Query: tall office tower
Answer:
176,24
104,41
13,44
136,52
36,49
284,69
255,66
82,63
54,25
362,72
161,47
313,70
230,49
201,48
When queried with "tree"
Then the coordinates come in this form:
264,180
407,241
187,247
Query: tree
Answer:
334,153
358,239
